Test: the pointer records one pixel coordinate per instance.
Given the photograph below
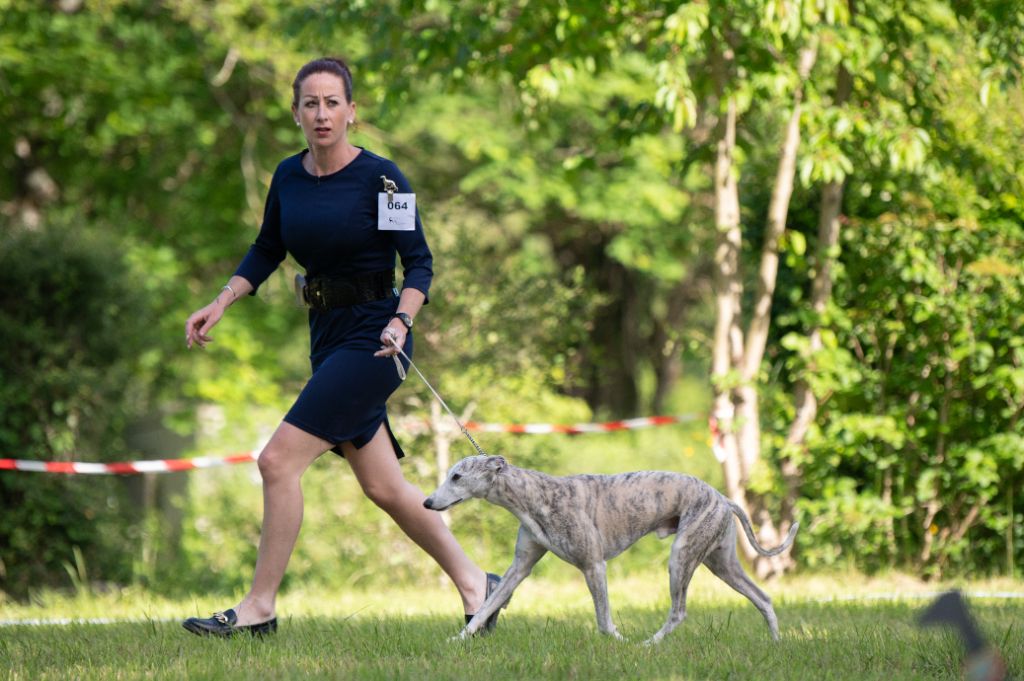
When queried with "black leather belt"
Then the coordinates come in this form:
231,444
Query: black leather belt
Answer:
324,293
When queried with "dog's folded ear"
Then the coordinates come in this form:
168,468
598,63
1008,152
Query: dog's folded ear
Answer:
496,464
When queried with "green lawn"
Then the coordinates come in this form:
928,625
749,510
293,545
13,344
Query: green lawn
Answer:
548,632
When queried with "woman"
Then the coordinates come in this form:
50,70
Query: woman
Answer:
322,208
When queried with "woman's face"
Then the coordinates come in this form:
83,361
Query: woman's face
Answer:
322,110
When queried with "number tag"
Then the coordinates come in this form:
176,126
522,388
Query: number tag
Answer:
396,212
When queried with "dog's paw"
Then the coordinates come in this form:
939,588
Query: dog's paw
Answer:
461,636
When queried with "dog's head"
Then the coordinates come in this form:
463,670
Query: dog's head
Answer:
469,478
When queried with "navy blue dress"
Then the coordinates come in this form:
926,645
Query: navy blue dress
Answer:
329,225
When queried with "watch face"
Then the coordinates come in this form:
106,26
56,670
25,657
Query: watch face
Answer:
406,319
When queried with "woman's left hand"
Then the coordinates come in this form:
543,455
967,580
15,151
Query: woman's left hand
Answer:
391,338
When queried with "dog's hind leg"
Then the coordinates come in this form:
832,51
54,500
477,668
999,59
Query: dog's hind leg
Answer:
528,552
597,582
724,563
688,549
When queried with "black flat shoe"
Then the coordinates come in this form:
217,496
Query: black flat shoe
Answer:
223,624
493,581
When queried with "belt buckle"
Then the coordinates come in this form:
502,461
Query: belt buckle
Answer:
315,294
312,292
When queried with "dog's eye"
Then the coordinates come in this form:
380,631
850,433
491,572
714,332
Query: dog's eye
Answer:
455,477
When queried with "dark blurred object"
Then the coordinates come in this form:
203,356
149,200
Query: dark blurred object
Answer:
982,662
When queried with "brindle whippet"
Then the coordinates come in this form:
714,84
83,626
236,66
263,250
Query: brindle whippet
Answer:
588,519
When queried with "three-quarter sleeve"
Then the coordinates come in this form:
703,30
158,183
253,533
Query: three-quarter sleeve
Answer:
267,252
417,261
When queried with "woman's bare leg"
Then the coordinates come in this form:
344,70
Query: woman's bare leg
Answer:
282,463
377,470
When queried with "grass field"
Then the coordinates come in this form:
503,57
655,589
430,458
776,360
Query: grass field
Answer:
838,627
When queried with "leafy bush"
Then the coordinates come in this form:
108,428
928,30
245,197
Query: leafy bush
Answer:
74,330
921,444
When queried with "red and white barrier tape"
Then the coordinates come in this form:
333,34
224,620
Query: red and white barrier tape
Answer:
172,465
578,428
123,467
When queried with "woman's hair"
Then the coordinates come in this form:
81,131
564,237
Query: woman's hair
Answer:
323,65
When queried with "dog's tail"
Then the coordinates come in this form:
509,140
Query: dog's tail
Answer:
745,521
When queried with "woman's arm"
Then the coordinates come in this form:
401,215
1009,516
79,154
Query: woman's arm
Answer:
410,303
201,321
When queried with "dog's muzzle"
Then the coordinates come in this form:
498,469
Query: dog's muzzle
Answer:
429,503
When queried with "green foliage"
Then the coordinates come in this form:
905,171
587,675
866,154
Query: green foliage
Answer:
899,467
561,153
919,453
75,332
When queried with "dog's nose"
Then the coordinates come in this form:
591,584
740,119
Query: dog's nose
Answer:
428,503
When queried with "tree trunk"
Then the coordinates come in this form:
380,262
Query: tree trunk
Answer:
735,367
747,394
610,363
805,401
728,289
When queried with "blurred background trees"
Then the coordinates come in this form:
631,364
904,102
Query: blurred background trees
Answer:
630,214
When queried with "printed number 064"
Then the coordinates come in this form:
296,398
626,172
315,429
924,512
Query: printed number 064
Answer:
398,206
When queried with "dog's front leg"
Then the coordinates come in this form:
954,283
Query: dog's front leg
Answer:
528,552
597,581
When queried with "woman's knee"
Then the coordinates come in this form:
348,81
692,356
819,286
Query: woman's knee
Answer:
275,465
387,494
288,454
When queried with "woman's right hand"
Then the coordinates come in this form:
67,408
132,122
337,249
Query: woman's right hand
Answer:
198,326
